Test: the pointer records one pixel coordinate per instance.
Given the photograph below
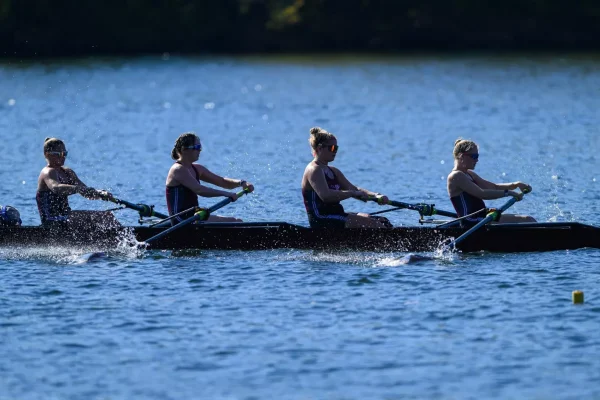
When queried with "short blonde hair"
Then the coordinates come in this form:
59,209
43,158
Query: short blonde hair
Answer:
462,146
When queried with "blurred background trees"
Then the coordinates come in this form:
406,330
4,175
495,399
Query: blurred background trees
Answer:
84,27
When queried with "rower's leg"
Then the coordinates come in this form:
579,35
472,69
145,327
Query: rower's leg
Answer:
513,218
218,218
363,221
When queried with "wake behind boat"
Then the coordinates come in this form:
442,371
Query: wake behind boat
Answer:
518,237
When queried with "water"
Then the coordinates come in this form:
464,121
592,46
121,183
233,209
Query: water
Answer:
299,324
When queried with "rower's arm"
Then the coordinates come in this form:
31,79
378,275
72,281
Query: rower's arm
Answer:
85,190
208,176
317,181
461,182
499,186
347,185
485,184
183,176
52,181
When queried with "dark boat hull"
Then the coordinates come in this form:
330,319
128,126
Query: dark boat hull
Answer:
275,235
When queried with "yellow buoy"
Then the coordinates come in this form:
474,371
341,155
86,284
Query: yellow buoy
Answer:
577,297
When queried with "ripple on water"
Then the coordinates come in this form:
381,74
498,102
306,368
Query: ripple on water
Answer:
303,324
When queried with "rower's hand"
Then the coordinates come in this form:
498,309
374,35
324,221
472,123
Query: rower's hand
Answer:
232,196
88,192
382,199
105,195
360,195
523,187
516,195
248,187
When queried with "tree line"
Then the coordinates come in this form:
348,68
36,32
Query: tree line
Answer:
89,27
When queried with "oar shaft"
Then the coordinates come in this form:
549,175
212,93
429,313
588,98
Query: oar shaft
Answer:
200,215
189,210
143,209
491,216
171,229
424,209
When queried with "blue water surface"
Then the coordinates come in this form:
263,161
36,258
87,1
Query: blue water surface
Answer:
296,324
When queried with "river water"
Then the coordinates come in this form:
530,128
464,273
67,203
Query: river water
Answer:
296,324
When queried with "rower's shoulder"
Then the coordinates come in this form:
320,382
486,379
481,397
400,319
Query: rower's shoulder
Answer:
454,173
456,176
311,166
47,170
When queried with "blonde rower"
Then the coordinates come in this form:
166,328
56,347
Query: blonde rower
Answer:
467,190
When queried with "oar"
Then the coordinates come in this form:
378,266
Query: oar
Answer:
458,220
198,216
489,218
189,210
425,210
143,209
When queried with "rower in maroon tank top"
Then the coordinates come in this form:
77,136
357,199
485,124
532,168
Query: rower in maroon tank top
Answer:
184,185
324,187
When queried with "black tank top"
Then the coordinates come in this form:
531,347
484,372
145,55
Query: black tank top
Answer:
315,206
181,198
466,204
53,206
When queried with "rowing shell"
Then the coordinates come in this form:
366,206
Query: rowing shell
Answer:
526,237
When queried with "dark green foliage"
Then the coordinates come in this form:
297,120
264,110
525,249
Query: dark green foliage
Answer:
62,27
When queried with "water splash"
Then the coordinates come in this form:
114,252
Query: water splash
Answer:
127,248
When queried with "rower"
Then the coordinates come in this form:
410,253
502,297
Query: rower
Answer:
467,190
9,216
183,181
324,187
56,183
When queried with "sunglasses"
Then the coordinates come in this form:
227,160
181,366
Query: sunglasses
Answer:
58,153
332,148
194,147
473,156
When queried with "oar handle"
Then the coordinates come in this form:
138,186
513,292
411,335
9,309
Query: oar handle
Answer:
426,210
143,209
203,214
378,200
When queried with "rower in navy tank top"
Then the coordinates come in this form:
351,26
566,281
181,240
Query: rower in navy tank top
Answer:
318,210
57,182
181,198
54,206
324,187
467,204
467,190
183,185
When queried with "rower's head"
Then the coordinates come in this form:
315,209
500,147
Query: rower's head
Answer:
187,147
55,151
324,144
466,153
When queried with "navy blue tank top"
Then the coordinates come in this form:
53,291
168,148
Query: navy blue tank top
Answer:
315,206
180,198
466,204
